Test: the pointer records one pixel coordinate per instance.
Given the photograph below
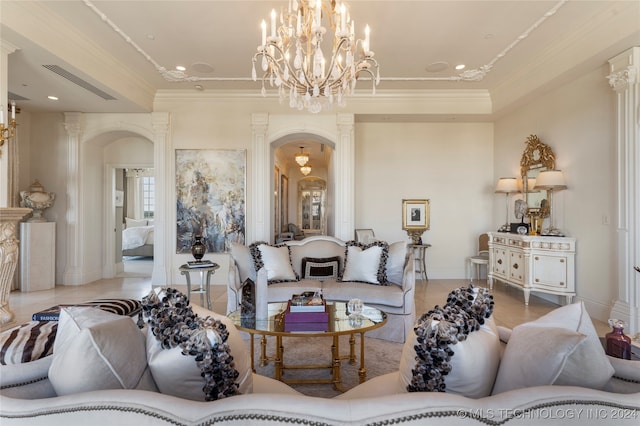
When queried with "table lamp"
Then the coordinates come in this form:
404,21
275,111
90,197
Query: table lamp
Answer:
551,180
506,186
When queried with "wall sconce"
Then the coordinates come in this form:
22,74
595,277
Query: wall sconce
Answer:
551,180
7,132
506,186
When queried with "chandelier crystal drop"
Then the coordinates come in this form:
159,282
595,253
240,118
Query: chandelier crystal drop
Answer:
293,61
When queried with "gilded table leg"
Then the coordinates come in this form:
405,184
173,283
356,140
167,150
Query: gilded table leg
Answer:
362,373
263,351
251,346
352,349
335,369
278,362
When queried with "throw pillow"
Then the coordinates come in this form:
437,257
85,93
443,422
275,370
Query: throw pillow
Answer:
396,261
97,350
134,223
366,263
276,260
29,342
242,256
320,269
197,357
454,348
586,365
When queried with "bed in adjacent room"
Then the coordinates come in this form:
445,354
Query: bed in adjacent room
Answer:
137,237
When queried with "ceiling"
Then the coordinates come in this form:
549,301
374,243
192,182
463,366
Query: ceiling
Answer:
117,49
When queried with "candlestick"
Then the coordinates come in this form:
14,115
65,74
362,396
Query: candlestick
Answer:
264,32
318,12
13,110
1,114
273,22
343,17
366,39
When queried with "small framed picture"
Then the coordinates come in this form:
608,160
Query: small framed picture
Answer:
415,214
119,198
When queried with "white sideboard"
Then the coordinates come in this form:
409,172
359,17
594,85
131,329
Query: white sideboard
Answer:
533,263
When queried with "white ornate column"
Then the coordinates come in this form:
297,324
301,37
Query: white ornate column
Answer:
257,227
6,49
9,253
73,268
161,274
624,78
345,174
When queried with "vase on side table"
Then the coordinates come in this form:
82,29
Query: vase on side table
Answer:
617,344
198,249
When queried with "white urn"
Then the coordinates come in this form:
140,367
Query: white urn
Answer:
38,200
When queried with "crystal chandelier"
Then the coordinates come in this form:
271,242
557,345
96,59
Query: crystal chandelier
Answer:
293,60
301,158
306,169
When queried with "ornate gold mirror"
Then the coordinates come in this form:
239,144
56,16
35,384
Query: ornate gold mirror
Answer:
537,157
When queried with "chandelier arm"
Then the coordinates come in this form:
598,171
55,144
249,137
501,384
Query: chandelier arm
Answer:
280,68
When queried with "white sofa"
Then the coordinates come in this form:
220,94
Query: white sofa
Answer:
27,397
397,298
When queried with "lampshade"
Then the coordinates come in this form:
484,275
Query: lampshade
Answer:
305,170
550,179
302,158
507,185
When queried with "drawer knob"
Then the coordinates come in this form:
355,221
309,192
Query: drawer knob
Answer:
537,280
515,266
499,261
536,258
561,260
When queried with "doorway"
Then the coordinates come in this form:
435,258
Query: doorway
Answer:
134,217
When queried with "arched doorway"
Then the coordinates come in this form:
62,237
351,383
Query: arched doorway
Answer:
91,193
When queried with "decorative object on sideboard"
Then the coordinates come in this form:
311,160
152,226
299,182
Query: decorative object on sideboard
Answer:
551,180
293,61
415,218
536,158
198,249
37,199
617,343
7,131
506,186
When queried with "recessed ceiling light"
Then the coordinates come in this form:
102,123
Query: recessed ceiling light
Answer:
198,87
180,68
437,67
460,67
202,68
53,98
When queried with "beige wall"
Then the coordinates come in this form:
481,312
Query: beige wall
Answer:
578,122
449,164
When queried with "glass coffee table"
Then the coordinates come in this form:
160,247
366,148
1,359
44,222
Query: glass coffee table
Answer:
340,323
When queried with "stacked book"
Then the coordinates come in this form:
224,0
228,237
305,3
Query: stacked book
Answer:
200,264
310,316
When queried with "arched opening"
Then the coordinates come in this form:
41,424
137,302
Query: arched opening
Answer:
288,176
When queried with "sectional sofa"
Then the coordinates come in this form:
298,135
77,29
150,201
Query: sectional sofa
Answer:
380,274
105,371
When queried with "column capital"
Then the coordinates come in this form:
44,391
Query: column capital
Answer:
624,69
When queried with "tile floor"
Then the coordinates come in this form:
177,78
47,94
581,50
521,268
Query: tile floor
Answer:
509,303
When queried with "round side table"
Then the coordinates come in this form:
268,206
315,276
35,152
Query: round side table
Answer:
205,280
419,254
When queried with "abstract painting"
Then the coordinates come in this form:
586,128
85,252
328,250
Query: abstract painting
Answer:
210,192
